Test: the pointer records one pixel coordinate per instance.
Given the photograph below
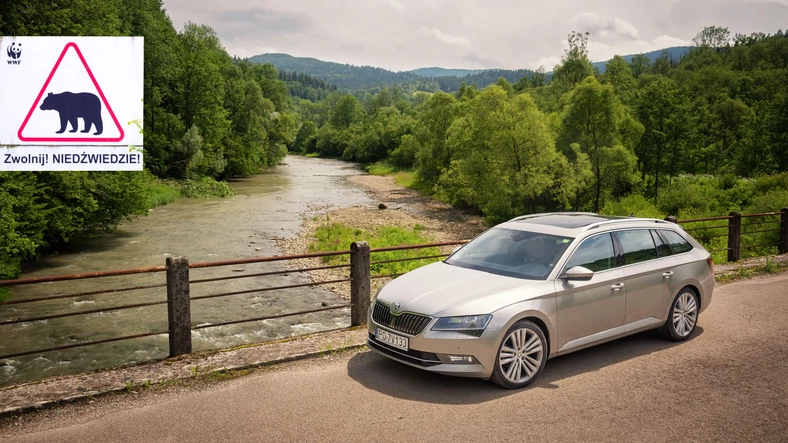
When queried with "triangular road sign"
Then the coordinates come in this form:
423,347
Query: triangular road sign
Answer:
72,108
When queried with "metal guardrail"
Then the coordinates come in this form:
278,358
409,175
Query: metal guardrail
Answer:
736,229
178,286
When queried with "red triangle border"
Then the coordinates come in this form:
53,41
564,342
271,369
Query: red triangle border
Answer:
40,94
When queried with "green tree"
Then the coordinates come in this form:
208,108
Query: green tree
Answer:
575,65
715,37
591,122
431,132
619,74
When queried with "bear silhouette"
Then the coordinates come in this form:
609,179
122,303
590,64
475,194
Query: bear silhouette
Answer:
73,106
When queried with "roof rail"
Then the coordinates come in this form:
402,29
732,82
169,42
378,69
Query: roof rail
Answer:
543,214
622,220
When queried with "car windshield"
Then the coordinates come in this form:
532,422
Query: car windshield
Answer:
512,253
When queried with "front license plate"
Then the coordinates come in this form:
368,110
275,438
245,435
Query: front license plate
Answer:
395,340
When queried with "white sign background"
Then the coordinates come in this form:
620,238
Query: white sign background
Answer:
117,67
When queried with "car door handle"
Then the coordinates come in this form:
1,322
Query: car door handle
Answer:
667,274
617,286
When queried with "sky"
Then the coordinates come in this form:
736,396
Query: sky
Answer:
402,35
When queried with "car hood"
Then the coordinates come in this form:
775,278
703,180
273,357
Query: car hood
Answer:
443,290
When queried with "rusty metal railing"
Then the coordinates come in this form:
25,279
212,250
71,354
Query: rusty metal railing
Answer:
735,230
359,291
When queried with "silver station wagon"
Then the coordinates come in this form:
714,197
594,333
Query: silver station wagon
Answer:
540,286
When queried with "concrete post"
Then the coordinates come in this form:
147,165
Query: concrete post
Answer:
359,283
671,218
734,237
783,247
178,306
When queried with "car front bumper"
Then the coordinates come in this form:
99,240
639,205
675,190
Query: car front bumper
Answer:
432,350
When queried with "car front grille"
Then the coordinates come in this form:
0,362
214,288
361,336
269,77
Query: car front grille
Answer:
411,324
412,356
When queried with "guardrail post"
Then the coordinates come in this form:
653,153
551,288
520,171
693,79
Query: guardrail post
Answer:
783,247
359,283
671,218
178,306
734,236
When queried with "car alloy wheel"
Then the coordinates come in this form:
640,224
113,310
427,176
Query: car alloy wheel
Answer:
521,356
683,316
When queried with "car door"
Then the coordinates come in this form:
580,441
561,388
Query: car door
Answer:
593,310
648,271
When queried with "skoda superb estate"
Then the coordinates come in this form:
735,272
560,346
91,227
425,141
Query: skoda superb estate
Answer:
540,286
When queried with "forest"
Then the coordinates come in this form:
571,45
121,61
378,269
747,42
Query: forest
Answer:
700,136
207,117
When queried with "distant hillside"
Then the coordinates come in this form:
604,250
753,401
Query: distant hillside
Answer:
481,79
343,75
675,53
443,72
351,77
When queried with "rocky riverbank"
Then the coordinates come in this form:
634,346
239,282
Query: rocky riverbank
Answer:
403,208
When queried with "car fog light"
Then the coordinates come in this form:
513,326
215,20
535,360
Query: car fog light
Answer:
460,358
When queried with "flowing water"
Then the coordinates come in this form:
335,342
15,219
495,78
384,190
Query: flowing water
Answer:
266,206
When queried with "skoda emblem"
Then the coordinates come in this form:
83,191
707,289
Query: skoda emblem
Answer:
397,306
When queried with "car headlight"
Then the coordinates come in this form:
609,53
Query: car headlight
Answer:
470,324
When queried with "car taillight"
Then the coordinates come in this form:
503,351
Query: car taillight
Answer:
710,261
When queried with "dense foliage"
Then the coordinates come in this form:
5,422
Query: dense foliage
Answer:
702,135
207,117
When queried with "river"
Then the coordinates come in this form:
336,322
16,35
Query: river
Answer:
266,206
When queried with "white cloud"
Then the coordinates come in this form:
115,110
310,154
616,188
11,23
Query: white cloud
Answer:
599,51
449,39
547,62
395,4
604,27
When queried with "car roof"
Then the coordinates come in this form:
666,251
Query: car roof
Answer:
574,224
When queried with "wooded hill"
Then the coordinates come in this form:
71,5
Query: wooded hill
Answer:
356,78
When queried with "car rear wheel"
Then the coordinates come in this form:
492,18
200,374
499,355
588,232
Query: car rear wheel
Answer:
683,316
521,356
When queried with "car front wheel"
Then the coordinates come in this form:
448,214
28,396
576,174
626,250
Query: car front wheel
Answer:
521,356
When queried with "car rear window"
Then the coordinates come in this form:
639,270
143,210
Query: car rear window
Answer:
663,249
638,246
677,242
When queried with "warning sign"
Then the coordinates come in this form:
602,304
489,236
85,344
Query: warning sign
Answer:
71,103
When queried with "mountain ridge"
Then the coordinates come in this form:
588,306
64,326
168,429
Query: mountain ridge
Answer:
354,77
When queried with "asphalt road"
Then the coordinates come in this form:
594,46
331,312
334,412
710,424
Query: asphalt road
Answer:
728,383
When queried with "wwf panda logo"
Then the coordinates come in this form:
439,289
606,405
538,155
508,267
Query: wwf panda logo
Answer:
14,51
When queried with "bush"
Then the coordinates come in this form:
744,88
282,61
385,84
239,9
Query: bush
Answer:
635,205
206,187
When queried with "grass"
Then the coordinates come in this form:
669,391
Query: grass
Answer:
403,177
161,194
768,267
5,295
338,237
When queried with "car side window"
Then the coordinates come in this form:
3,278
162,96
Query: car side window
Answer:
677,242
663,249
595,254
638,246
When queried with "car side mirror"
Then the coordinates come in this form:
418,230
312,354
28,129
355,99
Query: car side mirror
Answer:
578,273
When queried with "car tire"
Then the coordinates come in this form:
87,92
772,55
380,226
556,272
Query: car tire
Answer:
521,356
683,316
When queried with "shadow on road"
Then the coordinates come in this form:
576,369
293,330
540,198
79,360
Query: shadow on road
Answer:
398,380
